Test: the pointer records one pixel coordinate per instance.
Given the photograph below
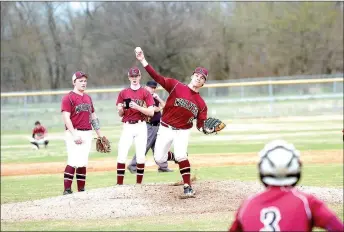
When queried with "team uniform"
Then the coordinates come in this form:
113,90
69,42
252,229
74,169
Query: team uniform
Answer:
80,108
284,209
183,105
134,129
152,130
39,132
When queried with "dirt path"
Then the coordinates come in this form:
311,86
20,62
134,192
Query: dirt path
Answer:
106,164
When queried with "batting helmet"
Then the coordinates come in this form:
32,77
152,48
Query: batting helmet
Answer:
279,164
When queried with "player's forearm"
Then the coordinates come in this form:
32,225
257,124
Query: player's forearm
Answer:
70,126
146,111
95,124
157,77
157,109
162,103
120,112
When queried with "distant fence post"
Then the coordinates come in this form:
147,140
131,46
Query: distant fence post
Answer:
271,97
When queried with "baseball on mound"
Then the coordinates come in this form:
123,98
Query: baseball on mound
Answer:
138,49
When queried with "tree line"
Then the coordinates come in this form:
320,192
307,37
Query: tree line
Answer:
44,43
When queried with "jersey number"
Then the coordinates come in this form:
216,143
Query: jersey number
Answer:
270,217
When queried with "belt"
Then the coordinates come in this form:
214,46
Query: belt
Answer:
168,126
154,123
133,121
82,129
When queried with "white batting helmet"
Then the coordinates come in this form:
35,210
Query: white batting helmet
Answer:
279,164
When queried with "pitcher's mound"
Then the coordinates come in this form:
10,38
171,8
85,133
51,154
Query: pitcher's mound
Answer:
145,200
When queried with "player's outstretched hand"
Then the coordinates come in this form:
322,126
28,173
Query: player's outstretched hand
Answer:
139,54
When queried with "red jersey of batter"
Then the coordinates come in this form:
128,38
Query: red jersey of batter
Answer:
80,108
284,209
183,105
39,131
139,97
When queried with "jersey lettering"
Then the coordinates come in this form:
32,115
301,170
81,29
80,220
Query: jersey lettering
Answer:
187,105
138,101
270,217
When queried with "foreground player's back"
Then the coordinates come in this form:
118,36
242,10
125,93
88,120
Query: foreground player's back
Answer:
283,209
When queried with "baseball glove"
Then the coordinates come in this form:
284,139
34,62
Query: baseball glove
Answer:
213,125
103,145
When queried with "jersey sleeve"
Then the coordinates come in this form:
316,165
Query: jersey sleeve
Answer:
323,217
44,130
120,98
202,116
236,225
149,99
66,104
167,83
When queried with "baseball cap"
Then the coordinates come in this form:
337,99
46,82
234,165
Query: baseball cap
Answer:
202,71
134,71
152,84
78,75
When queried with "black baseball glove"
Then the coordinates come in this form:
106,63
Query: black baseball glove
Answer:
213,125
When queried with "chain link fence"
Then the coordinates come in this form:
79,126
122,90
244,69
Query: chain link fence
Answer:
18,113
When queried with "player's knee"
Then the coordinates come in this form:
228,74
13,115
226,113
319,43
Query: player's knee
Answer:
159,159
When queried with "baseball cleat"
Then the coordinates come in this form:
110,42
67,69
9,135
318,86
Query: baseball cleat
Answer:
131,169
188,192
67,191
82,190
165,170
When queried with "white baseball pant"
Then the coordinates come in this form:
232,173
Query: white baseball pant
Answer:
166,136
133,132
78,153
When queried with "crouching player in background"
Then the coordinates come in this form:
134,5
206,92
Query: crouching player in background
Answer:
39,136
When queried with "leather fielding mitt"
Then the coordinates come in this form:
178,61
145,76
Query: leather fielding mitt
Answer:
213,125
103,145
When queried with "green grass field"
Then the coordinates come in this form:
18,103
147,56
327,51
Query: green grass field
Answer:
240,137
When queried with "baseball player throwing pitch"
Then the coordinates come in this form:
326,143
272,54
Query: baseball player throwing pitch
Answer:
183,105
79,118
130,106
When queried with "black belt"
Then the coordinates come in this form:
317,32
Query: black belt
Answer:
154,123
168,126
83,129
133,121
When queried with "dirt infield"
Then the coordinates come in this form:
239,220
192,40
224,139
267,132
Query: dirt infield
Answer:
329,156
132,201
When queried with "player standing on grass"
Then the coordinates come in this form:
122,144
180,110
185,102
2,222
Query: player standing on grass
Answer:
130,106
281,207
183,105
79,118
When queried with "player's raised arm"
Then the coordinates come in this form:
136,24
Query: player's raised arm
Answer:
166,83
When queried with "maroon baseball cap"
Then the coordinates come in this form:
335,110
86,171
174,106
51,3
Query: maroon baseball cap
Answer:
202,71
78,75
134,71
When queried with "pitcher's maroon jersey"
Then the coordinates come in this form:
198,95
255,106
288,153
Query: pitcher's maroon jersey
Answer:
284,209
183,105
80,108
139,97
